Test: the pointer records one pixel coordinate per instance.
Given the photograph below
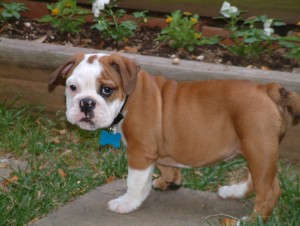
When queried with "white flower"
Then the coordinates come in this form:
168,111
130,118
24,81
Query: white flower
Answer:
225,6
268,23
233,10
228,11
267,27
268,31
99,5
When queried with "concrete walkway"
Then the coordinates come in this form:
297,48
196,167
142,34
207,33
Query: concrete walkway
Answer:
176,208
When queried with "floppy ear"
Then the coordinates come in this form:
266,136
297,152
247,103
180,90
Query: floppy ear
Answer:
128,69
59,76
61,73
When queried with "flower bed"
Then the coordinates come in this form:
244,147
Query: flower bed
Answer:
182,37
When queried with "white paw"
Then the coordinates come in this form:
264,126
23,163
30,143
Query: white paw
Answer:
233,191
242,221
225,192
124,204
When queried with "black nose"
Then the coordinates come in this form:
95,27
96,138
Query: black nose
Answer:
86,105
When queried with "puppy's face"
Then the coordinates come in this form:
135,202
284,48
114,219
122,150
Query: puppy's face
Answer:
96,86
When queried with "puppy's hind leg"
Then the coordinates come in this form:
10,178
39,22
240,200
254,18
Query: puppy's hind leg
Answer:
238,190
262,155
170,178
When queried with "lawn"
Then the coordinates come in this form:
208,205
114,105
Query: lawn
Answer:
65,162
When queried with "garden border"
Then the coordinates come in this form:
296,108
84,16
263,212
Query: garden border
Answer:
40,59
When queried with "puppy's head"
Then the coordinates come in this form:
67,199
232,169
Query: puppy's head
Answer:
96,87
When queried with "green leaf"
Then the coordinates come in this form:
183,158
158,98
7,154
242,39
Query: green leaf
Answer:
278,23
16,15
45,19
120,13
286,44
56,22
50,7
129,24
291,38
262,18
210,41
140,14
6,14
100,26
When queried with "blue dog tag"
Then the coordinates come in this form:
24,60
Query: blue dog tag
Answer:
110,139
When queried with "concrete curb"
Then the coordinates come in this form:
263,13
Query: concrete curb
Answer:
182,207
48,56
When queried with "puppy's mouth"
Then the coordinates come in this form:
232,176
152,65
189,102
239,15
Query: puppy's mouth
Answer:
87,120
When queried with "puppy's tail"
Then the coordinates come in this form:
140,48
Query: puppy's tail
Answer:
288,100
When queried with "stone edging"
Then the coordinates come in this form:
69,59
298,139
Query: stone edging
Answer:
47,56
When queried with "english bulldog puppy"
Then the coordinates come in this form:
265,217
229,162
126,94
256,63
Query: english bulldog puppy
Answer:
174,125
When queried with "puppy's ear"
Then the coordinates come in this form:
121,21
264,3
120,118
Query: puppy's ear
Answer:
128,69
59,76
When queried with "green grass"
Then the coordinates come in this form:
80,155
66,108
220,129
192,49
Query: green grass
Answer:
49,149
65,162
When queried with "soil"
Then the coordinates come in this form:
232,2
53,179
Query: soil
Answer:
144,42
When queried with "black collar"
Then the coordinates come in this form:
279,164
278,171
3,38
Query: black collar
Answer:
120,115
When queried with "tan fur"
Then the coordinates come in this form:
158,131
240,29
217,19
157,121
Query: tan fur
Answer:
170,176
201,123
92,58
126,68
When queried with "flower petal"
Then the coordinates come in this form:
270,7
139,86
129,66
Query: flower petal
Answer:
99,5
268,31
233,10
225,6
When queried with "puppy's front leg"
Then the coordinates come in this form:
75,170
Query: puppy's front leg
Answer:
138,189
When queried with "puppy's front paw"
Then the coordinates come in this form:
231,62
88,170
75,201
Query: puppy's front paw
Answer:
124,204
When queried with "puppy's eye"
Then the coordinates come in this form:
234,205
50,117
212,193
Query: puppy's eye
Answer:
106,91
73,88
